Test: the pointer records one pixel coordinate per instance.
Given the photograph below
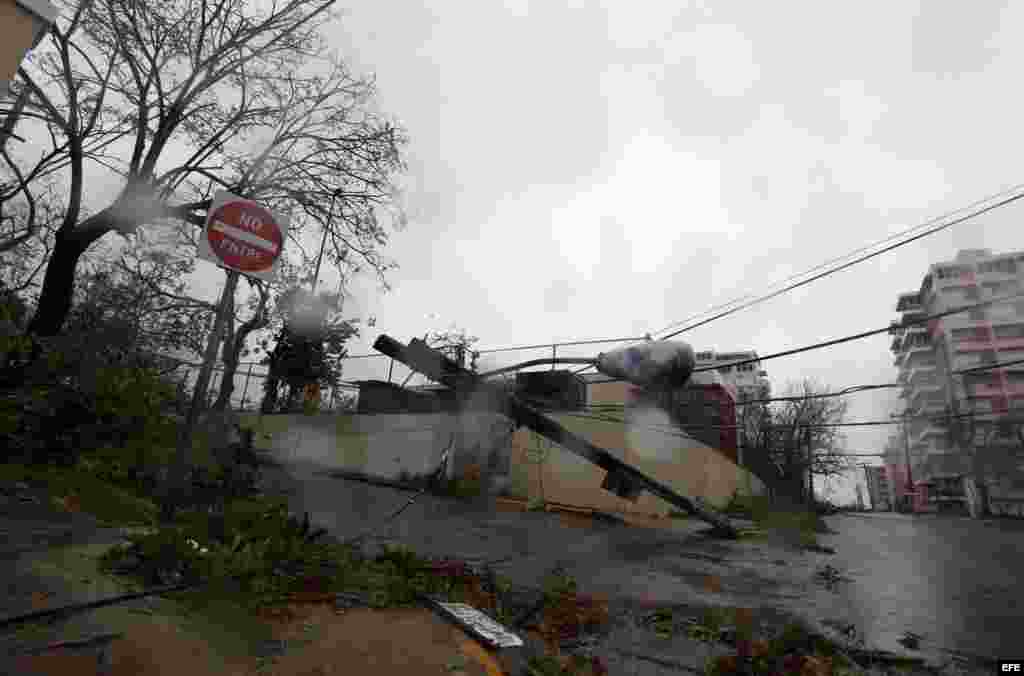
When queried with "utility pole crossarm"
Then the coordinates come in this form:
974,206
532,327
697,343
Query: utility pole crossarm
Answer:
622,479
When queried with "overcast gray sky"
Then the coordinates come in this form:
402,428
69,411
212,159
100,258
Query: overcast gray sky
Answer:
585,170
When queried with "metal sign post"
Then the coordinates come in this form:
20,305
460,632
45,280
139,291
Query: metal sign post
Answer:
177,478
243,238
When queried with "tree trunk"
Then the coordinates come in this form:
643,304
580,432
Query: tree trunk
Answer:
229,357
227,381
270,389
233,347
295,392
59,280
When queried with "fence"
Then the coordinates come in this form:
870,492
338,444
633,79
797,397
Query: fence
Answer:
248,392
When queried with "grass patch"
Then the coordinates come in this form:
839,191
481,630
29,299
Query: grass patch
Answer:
795,523
108,503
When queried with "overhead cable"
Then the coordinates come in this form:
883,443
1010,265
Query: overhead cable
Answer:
867,247
990,367
867,334
840,393
673,429
986,205
538,346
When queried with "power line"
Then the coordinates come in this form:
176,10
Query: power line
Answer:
895,236
674,429
989,367
570,343
1016,194
840,393
867,334
538,346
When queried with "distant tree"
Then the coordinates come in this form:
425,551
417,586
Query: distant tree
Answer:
457,345
309,347
784,439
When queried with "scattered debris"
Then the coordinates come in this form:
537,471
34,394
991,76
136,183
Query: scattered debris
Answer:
911,641
660,661
829,576
476,624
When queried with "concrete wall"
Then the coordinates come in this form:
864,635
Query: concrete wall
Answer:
383,445
386,445
541,470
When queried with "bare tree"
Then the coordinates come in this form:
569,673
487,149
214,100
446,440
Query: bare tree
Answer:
785,440
309,346
183,97
457,344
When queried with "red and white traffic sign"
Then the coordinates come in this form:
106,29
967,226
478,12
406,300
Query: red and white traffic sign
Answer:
243,236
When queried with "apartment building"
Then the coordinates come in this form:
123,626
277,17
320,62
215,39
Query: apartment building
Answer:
959,393
749,380
895,462
878,488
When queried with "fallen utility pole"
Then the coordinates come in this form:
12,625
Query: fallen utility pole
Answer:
622,479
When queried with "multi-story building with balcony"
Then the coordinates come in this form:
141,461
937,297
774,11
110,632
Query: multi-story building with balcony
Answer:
959,393
750,380
895,462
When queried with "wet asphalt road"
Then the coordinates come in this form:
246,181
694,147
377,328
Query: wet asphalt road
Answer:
957,582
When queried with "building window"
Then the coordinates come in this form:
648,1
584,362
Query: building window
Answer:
1000,288
961,335
1003,265
982,405
1012,331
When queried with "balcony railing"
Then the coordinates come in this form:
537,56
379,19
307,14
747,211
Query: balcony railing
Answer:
928,407
973,345
919,372
914,390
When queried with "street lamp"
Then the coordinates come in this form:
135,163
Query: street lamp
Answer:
658,363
